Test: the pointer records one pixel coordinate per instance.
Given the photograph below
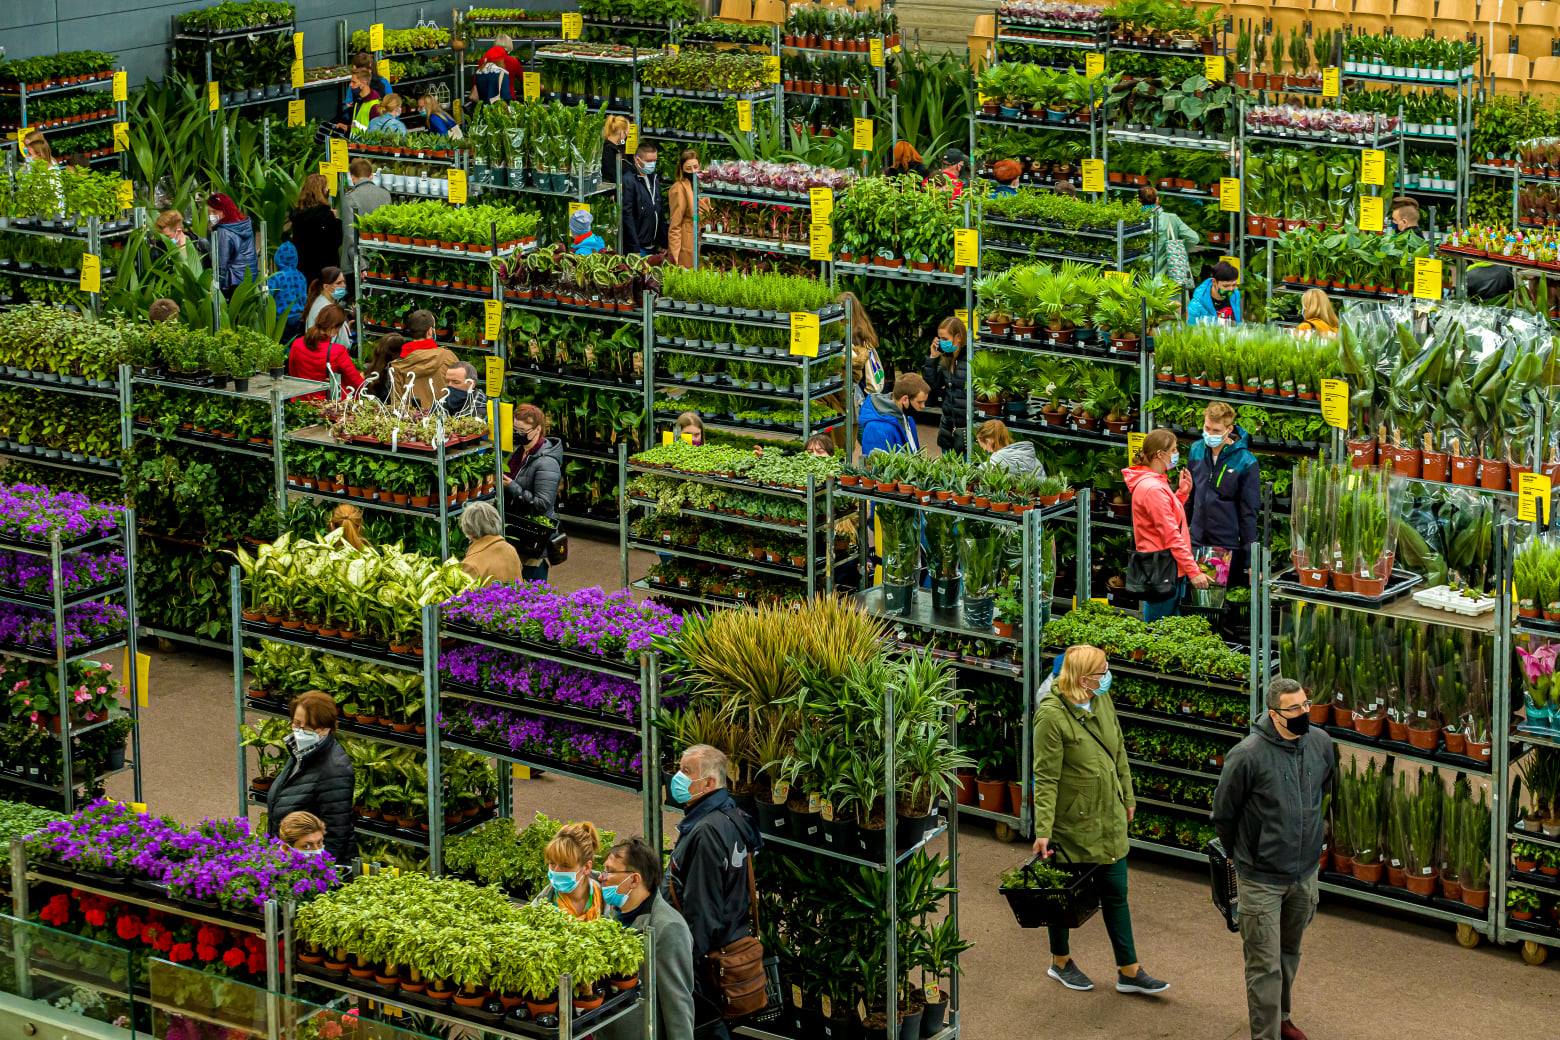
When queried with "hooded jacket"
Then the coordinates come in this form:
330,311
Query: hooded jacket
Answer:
1203,309
885,425
1226,494
1018,459
1083,787
1268,805
305,362
707,877
1158,519
319,781
425,368
534,481
289,288
644,210
233,246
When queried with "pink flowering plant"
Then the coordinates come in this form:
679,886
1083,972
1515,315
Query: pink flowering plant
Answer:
1538,678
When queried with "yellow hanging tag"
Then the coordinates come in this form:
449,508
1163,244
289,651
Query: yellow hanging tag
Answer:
298,46
519,772
572,24
492,319
1120,276
295,112
376,36
666,437
121,137
213,96
1233,261
804,334
875,52
966,247
1373,166
1213,68
143,676
297,73
771,69
820,241
963,315
532,85
1229,194
338,154
507,421
121,86
578,207
1134,444
382,68
1532,489
631,142
457,187
821,201
673,49
1093,175
91,273
1371,212
1093,64
744,115
1331,80
861,135
1335,403
125,195
138,807
1427,278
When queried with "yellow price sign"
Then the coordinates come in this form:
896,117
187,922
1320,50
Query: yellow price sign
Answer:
572,25
744,115
143,676
376,36
213,95
631,142
382,68
1373,166
1093,64
295,112
1335,403
804,334
505,435
332,178
297,73
91,273
820,240
532,85
1094,175
771,69
1213,68
338,154
121,85
861,134
1331,81
519,772
1233,261
1120,276
121,137
578,207
494,370
875,52
1427,278
673,49
492,320
966,247
822,202
963,315
457,187
1371,212
298,46
1533,491
1229,194
1135,443
125,194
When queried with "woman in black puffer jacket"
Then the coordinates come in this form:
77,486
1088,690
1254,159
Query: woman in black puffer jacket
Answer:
317,777
946,372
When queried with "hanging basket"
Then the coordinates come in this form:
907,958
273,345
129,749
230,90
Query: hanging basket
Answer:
1066,907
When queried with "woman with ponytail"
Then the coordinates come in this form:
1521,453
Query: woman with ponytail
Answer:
316,354
1163,542
348,519
571,861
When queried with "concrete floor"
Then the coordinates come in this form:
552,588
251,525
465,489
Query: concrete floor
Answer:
1364,974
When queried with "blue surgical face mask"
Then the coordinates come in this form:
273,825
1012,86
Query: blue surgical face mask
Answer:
563,881
1175,459
1105,681
946,346
612,897
681,788
339,293
1213,440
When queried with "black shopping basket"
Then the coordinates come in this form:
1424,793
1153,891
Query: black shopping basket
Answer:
1066,907
1225,889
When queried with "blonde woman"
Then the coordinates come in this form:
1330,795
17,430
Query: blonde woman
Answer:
1083,803
1317,310
571,861
613,136
348,519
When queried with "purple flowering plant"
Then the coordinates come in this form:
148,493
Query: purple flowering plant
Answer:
546,739
32,513
590,621
78,571
506,674
84,624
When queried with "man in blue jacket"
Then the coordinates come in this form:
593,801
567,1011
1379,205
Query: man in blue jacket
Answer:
886,420
1217,298
1222,488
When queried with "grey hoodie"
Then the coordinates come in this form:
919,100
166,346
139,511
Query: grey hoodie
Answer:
1268,807
1018,459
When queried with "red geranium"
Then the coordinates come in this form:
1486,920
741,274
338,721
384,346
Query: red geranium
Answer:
256,963
233,957
210,935
164,942
206,953
180,952
128,928
96,918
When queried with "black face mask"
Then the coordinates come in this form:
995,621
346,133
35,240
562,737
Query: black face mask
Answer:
1300,725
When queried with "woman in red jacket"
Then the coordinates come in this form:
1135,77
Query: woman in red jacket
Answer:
1160,535
315,354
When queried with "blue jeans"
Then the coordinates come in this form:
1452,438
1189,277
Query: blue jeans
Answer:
537,573
1153,610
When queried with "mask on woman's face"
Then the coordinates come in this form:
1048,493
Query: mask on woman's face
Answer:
563,881
946,346
1175,459
1105,681
339,293
214,219
305,740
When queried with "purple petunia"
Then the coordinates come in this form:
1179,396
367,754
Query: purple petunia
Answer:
591,621
32,513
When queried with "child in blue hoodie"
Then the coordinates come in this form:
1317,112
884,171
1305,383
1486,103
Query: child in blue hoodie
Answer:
584,240
289,289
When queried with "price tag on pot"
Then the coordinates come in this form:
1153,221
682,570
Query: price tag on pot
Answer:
1532,495
295,112
532,85
125,194
822,202
492,320
966,247
121,85
297,73
1134,444
1229,194
771,69
1213,68
143,676
744,115
91,273
298,45
1331,80
1370,212
1373,166
861,135
376,36
875,52
1093,64
1427,278
1335,403
804,334
121,137
213,95
572,23
1093,175
457,187
338,154
820,241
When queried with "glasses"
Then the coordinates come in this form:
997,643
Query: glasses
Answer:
1294,711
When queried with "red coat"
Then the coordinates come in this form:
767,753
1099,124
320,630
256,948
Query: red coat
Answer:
1158,518
307,362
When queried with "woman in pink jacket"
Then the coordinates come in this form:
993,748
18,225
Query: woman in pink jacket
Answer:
1159,532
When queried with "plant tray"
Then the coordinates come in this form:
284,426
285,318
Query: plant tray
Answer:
533,703
548,762
1451,906
1067,907
1443,597
45,600
83,650
1402,747
1537,879
522,646
1399,583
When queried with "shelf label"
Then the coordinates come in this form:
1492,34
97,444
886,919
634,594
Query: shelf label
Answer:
668,437
804,334
1213,68
298,46
822,202
457,187
297,73
1229,194
673,49
572,24
1335,403
213,95
376,36
91,273
771,69
532,85
382,68
125,194
631,142
121,85
966,247
493,367
1427,278
143,678
1532,495
506,416
1370,212
1135,440
519,772
578,207
121,137
1120,276
861,134
492,320
295,112
820,240
875,52
338,154
1373,166
1330,81
1093,175
744,115
1093,64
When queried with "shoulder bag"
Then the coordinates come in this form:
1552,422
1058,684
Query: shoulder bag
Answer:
736,973
1152,574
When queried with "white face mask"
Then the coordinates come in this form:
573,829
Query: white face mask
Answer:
305,740
311,853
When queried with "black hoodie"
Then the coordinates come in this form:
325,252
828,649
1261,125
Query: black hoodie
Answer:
1268,807
707,877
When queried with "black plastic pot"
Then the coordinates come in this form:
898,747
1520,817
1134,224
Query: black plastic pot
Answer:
802,826
838,834
908,830
978,613
897,598
934,1017
945,595
910,1025
772,818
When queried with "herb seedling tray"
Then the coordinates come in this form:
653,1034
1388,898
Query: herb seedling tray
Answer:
1399,583
1444,597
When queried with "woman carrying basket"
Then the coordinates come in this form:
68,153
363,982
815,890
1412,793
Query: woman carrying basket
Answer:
1083,802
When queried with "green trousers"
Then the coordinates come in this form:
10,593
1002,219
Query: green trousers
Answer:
1112,882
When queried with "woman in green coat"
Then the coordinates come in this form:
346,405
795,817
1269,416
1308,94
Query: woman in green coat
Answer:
1083,802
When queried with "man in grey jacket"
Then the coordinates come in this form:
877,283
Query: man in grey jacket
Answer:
630,884
1268,812
364,196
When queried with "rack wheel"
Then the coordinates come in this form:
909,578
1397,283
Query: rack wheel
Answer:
1005,832
1467,936
1534,953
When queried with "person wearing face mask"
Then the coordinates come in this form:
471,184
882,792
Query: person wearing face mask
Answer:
887,421
232,242
946,372
630,883
570,857
1221,489
460,379
329,289
317,777
1162,556
1083,803
644,207
1268,811
679,201
531,489
710,876
303,831
1217,299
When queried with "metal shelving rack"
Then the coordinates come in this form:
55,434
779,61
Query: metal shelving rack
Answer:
702,238
859,105
675,136
999,121
93,235
269,95
21,94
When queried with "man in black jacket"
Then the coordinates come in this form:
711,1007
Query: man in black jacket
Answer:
644,207
707,879
318,776
1268,813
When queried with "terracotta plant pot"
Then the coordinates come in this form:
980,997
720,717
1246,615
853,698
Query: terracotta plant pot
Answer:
1362,453
1397,877
967,794
1421,884
1370,873
1372,587
1342,581
1369,727
1424,738
991,795
1478,898
1406,462
1341,716
1396,730
1451,888
1479,751
1456,743
1465,470
1343,864
1314,577
1433,465
1494,475
1320,713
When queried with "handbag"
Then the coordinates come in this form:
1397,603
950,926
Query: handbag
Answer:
1152,574
557,548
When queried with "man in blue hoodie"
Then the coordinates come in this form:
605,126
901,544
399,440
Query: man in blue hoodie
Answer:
289,289
885,419
1221,488
1217,298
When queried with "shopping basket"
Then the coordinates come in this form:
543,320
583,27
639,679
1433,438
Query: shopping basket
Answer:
1225,888
1065,907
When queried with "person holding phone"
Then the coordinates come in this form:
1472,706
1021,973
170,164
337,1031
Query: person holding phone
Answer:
1162,557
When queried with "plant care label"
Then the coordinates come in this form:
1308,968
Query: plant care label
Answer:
1427,278
822,202
295,112
966,247
143,676
1532,489
804,334
532,85
1135,444
861,134
780,792
1094,175
578,207
297,73
673,49
213,95
1093,64
796,995
121,137
875,52
91,273
298,46
492,319
1229,194
1213,68
1335,403
820,241
1373,166
125,194
631,142
121,85
572,24
1370,212
376,36
771,69
1331,81
744,115
457,187
382,68
338,154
